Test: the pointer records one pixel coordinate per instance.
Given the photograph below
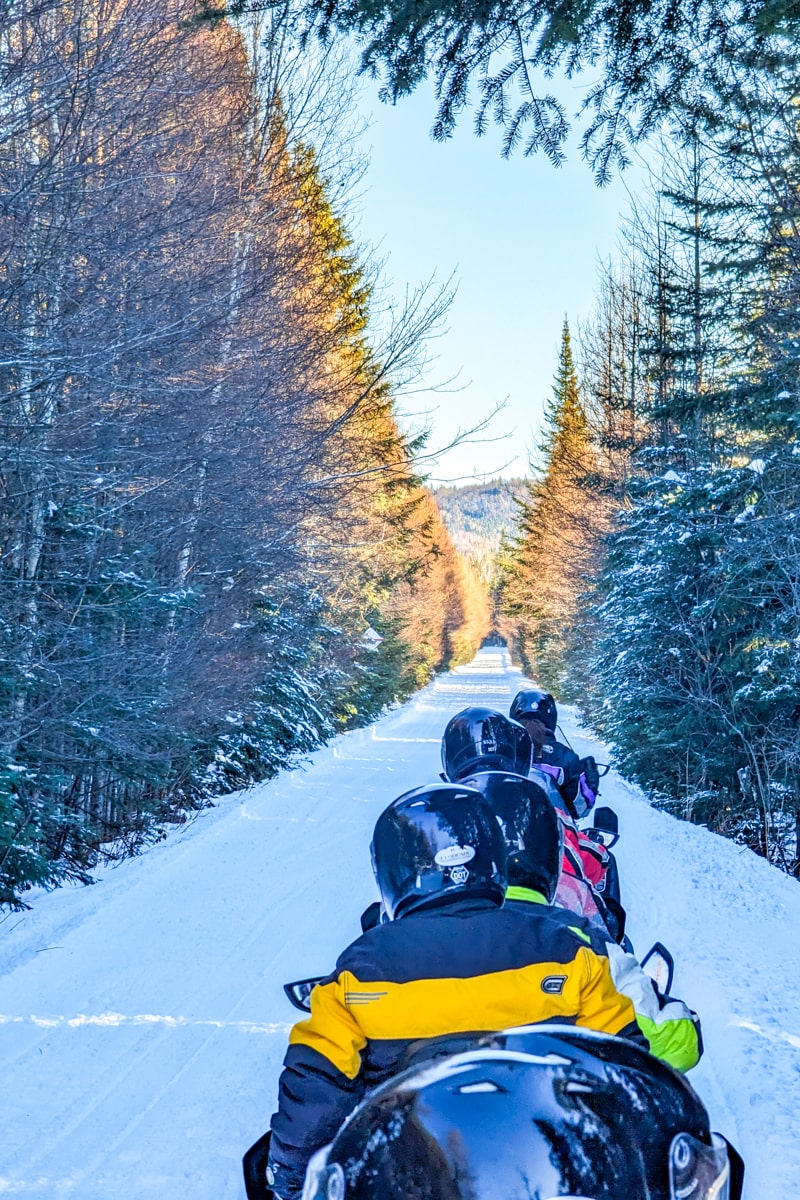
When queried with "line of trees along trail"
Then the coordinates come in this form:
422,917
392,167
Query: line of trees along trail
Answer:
205,498
656,579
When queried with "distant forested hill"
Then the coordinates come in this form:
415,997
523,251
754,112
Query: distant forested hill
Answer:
476,515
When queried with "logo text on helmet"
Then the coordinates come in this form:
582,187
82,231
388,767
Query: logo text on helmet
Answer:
459,874
453,856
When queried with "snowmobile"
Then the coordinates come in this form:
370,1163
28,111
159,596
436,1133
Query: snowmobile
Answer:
558,1110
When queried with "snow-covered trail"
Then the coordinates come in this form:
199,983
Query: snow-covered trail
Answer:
143,1022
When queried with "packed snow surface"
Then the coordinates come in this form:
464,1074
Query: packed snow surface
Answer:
143,1021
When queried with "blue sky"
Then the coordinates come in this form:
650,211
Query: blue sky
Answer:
524,240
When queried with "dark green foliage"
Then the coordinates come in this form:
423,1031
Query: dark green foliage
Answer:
699,658
652,58
683,650
296,706
321,679
667,636
23,855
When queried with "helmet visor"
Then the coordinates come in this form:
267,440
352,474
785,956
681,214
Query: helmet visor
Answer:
698,1171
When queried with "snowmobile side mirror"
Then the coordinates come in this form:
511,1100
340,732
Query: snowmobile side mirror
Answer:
602,837
605,826
299,992
603,769
659,965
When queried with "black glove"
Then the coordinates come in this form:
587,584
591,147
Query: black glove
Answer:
614,917
254,1165
591,773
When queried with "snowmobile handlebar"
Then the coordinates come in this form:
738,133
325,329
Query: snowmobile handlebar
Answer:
658,964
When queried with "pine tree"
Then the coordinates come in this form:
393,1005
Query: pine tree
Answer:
696,664
204,496
645,60
555,551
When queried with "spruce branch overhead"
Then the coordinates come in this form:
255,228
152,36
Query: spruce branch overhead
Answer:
643,59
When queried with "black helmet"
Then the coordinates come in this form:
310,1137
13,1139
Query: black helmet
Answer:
436,842
532,702
479,739
532,831
544,1111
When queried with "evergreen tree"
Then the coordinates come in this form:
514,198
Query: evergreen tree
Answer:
698,665
554,552
204,496
695,661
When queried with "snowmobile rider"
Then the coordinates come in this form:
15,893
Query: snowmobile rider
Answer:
532,835
542,1111
577,779
479,739
450,960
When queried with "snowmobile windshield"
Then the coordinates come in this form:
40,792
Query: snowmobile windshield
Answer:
698,1171
321,1180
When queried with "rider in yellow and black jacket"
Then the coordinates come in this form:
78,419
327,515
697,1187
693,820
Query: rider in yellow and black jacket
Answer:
449,961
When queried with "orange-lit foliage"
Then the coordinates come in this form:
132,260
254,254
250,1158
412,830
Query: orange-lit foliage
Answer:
204,495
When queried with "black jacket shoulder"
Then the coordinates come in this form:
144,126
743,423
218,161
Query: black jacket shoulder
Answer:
460,941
